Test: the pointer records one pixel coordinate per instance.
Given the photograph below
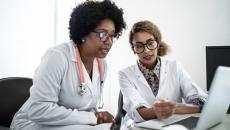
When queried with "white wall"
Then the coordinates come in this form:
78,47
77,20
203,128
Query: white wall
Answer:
187,25
26,31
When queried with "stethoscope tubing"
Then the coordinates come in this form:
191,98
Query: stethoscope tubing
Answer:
83,85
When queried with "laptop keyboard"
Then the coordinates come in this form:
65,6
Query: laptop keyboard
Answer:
189,122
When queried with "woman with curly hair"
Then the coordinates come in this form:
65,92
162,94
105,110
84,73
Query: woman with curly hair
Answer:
67,86
154,87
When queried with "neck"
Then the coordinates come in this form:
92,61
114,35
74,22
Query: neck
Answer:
150,66
86,59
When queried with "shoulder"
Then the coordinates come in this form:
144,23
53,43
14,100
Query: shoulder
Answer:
129,69
170,63
58,55
61,48
173,67
60,51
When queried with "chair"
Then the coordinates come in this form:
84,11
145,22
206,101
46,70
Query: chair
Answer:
14,91
120,112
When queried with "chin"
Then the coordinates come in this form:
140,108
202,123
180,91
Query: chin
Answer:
148,62
101,56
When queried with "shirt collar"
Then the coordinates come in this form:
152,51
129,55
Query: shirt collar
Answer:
155,70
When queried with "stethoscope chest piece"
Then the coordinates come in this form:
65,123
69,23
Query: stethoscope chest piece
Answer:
82,89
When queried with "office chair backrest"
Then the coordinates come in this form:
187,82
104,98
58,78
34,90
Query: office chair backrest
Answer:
120,111
14,91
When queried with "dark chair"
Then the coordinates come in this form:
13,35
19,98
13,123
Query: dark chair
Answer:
120,112
14,91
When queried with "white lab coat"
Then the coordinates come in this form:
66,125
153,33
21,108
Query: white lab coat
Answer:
174,84
54,101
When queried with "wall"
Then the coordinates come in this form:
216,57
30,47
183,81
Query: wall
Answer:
26,31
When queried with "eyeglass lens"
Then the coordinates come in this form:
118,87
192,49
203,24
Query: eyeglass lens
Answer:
104,35
140,47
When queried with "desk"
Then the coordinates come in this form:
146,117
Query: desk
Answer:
225,125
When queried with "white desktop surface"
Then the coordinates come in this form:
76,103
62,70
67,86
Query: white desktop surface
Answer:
225,125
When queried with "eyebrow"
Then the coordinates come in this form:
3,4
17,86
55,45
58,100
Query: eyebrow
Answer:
100,29
146,40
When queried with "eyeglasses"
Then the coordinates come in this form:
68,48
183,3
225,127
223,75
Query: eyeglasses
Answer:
139,47
104,35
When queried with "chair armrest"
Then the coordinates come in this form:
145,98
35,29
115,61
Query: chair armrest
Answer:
4,128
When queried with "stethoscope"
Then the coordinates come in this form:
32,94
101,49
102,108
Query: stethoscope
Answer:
83,85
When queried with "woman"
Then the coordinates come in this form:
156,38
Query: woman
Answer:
67,86
154,87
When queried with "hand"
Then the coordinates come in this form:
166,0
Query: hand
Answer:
105,117
163,108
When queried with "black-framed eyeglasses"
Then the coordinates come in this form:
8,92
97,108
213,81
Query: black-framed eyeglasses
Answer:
104,35
139,47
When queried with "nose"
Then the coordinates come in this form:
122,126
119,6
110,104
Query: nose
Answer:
146,49
108,41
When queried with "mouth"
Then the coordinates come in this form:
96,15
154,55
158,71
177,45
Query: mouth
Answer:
148,57
105,50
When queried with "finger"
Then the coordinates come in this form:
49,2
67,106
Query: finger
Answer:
167,114
105,118
108,117
114,125
99,118
100,115
100,121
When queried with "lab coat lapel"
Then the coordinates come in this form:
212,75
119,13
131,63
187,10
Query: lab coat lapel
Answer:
86,75
95,75
163,73
141,79
87,79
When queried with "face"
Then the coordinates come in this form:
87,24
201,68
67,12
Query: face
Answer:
145,46
99,42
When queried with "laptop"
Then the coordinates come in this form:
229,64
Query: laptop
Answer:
214,110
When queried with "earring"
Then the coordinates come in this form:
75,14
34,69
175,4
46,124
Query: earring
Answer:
82,40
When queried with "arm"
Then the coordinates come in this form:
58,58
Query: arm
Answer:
132,100
161,109
136,106
186,108
193,95
44,107
147,113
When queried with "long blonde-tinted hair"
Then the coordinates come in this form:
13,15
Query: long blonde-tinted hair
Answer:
151,28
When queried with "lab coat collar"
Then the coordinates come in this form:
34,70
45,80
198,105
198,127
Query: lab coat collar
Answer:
90,83
72,48
141,77
163,73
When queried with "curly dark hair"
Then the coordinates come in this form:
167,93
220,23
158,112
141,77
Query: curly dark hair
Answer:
86,16
151,28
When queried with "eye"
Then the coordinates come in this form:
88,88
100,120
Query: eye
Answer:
151,42
138,45
103,34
